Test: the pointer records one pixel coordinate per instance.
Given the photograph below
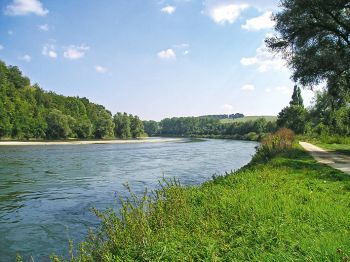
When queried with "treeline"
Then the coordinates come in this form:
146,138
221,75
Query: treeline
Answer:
327,116
209,127
28,112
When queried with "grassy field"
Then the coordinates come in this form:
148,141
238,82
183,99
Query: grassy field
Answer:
249,118
287,209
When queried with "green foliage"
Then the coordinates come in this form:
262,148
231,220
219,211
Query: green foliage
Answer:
314,37
28,112
274,144
249,118
288,209
297,99
293,117
214,128
151,127
58,125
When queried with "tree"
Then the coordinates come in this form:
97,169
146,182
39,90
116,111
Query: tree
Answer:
314,37
151,127
293,117
57,125
122,128
136,126
297,99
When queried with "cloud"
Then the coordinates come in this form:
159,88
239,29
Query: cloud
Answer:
44,27
26,58
167,54
227,108
1,47
100,69
49,50
261,22
186,52
225,13
26,7
168,9
268,90
248,87
10,32
75,52
265,60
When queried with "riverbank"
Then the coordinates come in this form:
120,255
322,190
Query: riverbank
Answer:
287,208
87,142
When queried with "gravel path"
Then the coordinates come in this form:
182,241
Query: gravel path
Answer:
337,161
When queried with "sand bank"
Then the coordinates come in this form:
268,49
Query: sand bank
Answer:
86,142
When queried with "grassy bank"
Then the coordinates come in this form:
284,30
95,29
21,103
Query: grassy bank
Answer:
334,144
289,208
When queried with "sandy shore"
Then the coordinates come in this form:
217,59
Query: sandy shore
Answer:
87,142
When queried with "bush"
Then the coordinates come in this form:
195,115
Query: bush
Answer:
274,144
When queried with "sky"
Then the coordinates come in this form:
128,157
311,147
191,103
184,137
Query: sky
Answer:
152,58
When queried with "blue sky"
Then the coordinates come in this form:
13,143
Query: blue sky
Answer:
152,58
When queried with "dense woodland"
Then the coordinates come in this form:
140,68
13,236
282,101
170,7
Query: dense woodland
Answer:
28,112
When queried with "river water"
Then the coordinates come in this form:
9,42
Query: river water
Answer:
46,192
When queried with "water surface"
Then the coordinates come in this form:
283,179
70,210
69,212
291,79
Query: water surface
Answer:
46,191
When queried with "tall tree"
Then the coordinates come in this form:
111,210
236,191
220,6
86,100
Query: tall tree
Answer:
297,99
314,37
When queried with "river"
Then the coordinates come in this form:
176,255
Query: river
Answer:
46,192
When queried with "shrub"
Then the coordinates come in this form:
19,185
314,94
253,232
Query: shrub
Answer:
274,144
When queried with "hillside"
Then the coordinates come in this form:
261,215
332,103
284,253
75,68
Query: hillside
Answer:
249,118
29,112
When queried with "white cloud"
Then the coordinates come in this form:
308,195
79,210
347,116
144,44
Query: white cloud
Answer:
75,52
168,9
248,87
100,69
10,32
49,50
1,47
265,60
227,108
228,13
268,90
25,7
186,52
44,27
167,54
26,58
261,22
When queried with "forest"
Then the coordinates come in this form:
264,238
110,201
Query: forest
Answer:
29,112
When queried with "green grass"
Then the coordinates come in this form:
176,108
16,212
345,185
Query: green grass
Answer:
288,209
337,148
248,118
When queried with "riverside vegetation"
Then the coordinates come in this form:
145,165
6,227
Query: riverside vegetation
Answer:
28,112
283,206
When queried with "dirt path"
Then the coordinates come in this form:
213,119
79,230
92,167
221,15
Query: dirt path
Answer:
337,161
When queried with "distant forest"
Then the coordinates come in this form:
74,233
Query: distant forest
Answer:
210,127
28,112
